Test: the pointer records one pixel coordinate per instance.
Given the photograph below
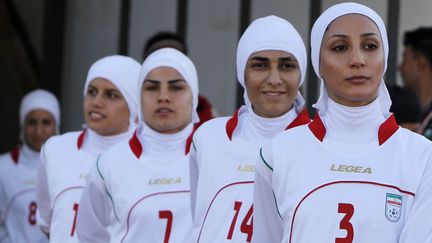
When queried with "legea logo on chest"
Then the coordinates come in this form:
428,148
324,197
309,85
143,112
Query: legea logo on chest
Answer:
165,181
246,168
351,169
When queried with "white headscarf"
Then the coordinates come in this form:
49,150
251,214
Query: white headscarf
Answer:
40,99
169,57
270,33
123,72
318,30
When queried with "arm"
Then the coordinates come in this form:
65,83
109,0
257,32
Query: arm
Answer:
193,167
94,209
268,224
43,213
418,226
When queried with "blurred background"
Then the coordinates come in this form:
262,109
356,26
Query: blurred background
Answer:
51,44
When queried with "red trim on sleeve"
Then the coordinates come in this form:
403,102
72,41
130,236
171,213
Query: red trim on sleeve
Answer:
301,119
15,154
317,127
189,139
387,129
232,124
81,138
135,145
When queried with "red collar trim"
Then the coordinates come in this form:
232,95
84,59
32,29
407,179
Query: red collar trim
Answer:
135,145
15,154
232,124
81,138
301,119
137,148
386,129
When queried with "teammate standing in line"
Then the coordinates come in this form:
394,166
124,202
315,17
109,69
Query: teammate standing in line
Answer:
110,112
351,175
139,189
39,120
271,66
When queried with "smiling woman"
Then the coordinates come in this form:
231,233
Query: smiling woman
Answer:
110,111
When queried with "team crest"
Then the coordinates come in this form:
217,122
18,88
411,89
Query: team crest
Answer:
393,207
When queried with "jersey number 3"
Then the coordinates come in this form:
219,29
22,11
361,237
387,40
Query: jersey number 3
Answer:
245,227
345,224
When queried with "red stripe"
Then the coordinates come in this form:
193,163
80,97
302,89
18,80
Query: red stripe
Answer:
143,198
342,182
208,209
301,119
80,139
15,154
393,202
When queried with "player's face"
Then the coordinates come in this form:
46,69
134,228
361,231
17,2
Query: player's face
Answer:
166,100
105,109
39,125
408,68
352,60
272,80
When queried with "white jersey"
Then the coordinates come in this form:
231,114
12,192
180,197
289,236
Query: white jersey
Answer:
18,172
313,190
62,176
131,197
222,181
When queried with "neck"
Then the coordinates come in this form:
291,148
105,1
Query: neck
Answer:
424,91
354,125
95,143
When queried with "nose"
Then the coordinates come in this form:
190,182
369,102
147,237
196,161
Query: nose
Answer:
357,58
164,95
98,100
274,77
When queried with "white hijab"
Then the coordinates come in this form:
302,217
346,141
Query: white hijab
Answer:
169,57
318,30
271,33
38,99
123,72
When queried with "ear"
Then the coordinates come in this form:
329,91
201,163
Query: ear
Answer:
422,63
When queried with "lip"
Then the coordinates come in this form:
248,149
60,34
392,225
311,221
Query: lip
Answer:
358,78
273,93
95,116
163,110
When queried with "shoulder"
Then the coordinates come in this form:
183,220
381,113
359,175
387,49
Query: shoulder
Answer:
213,127
414,142
63,139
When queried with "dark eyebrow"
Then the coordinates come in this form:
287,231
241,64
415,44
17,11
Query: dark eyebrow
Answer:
346,36
287,59
258,58
169,82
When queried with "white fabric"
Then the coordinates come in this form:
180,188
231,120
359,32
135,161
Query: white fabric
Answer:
317,34
18,197
169,57
259,130
123,72
353,125
126,202
95,144
270,33
40,99
295,181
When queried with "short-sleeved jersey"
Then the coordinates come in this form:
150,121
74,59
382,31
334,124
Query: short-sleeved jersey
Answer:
18,172
63,173
131,197
222,181
313,190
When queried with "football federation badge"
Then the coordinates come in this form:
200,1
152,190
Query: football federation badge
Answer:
393,207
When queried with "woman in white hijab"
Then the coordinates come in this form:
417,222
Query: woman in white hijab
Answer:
39,119
139,189
271,66
110,112
351,175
